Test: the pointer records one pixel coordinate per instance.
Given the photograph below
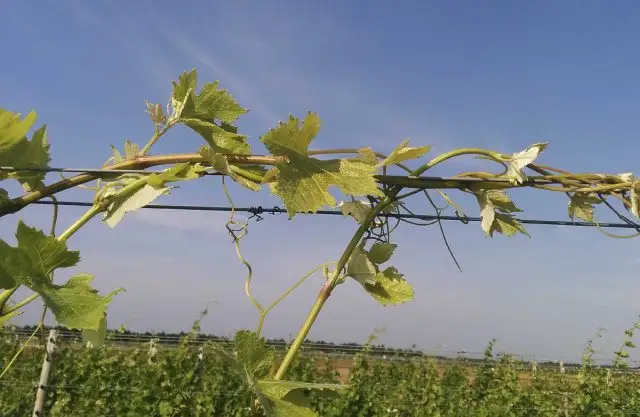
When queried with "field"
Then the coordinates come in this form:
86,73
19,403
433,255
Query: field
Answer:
175,381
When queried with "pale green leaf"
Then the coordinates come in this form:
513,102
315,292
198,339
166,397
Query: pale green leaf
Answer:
390,288
76,304
4,319
492,203
368,156
253,353
217,104
220,163
183,93
221,140
131,149
156,113
278,390
507,225
46,253
356,209
95,337
404,152
179,172
581,206
361,268
381,252
303,182
131,201
635,198
32,153
13,129
521,159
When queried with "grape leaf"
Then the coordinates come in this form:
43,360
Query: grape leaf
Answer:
507,225
368,156
287,399
32,153
13,129
6,277
495,209
581,206
220,163
201,111
361,268
5,318
403,153
96,337
45,253
356,209
179,172
76,304
253,353
390,288
303,182
130,201
137,191
381,252
221,140
156,113
521,159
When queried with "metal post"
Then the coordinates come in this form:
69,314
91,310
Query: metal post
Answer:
38,408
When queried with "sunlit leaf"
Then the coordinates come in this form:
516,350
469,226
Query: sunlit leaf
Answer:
390,287
131,201
381,252
404,152
4,319
303,182
96,337
76,304
581,206
356,209
220,163
520,160
368,156
361,268
253,353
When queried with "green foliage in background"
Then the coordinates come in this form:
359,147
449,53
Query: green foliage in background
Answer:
192,380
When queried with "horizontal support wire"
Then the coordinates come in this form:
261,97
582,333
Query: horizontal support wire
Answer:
259,210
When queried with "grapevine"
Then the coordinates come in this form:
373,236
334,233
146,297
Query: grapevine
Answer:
377,187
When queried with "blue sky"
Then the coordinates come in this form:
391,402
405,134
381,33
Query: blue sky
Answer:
492,74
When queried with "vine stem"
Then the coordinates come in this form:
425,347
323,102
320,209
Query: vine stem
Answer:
17,354
328,287
291,289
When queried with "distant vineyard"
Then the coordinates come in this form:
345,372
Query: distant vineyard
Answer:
188,379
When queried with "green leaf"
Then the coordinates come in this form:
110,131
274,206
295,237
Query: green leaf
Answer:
13,129
280,389
368,156
495,209
253,353
359,210
220,163
507,225
180,172
361,268
182,95
403,153
131,149
76,304
96,338
221,140
4,319
381,252
521,159
581,206
201,111
390,288
45,253
156,113
130,200
303,182
287,399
